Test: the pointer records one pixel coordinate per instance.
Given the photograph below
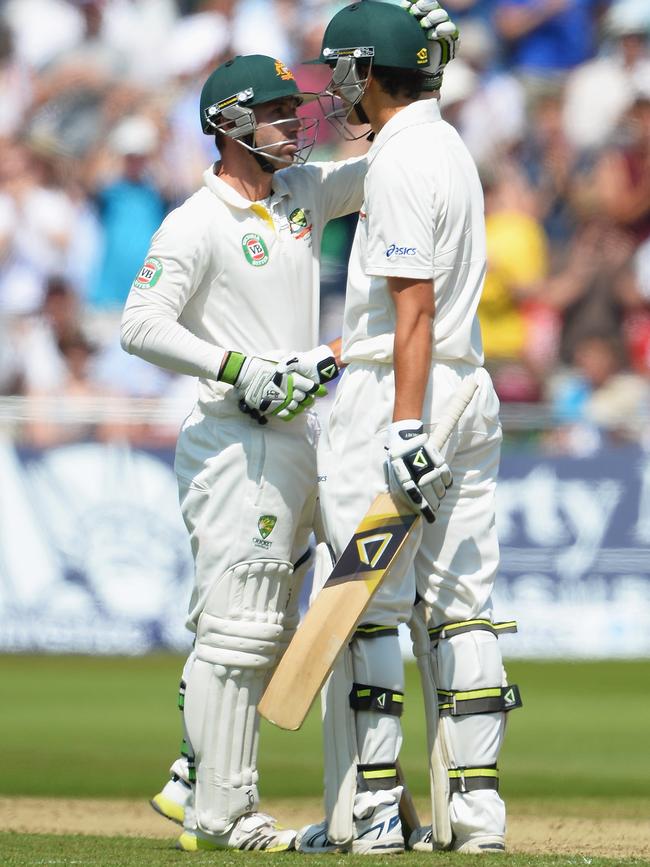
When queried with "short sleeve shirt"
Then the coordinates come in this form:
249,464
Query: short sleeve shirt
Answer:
422,218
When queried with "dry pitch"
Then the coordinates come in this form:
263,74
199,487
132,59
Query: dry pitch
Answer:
534,829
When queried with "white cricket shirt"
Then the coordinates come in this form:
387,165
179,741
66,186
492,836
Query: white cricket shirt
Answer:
422,217
224,273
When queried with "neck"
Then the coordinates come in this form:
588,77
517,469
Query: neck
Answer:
379,106
384,114
240,170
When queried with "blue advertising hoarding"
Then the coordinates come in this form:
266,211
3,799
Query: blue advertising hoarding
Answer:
94,557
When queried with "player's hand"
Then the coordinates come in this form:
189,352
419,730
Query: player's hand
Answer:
318,365
441,33
265,389
417,471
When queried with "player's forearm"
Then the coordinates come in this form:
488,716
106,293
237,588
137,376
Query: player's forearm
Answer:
337,347
412,345
164,342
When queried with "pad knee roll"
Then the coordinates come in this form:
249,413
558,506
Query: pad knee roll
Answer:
243,619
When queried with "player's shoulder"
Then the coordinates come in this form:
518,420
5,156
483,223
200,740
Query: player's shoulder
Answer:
189,220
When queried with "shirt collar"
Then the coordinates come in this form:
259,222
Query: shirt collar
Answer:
414,114
279,189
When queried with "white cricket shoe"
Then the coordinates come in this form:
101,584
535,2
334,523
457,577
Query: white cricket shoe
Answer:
252,831
421,840
379,833
488,844
173,800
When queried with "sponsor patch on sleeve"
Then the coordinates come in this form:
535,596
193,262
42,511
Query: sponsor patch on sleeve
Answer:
149,273
395,250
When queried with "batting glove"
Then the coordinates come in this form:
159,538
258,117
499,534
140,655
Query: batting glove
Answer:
441,33
265,389
417,471
318,365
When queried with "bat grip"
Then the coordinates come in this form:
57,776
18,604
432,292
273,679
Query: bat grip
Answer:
455,409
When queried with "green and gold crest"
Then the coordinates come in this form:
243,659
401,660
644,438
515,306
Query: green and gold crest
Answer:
265,525
298,219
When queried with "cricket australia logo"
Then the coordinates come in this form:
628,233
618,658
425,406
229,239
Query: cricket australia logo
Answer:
299,224
283,72
255,250
265,524
371,548
149,273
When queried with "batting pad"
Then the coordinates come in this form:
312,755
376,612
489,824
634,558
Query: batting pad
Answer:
472,662
239,635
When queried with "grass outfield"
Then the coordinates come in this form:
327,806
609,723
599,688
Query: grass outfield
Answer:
80,727
123,852
97,727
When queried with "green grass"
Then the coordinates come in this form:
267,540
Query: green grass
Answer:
33,849
107,727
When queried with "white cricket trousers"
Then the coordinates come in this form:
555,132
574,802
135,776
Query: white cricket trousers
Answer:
247,492
457,559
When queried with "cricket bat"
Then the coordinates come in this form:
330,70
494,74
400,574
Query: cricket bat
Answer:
383,535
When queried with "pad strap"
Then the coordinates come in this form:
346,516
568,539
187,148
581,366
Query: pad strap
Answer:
448,630
374,778
376,698
489,700
372,630
472,779
189,756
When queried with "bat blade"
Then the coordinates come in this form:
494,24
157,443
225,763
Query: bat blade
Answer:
378,542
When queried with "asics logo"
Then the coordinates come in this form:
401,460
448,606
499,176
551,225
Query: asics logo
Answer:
394,250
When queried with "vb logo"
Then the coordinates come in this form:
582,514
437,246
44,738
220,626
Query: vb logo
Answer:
371,548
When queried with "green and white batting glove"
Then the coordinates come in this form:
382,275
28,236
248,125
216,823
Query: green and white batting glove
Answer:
416,471
318,365
265,389
441,33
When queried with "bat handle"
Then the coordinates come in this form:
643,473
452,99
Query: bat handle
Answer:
455,409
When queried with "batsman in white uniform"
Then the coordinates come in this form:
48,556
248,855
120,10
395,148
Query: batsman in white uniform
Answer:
410,338
229,293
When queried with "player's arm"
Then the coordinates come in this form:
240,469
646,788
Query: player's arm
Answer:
339,186
416,469
171,274
414,309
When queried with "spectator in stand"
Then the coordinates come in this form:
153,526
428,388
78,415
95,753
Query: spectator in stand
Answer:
621,177
544,39
131,207
514,345
15,85
584,290
612,79
38,338
487,105
554,167
597,399
38,225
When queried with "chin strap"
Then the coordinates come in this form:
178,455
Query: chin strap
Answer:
265,165
260,159
361,114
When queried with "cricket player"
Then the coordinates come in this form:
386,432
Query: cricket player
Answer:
410,338
229,293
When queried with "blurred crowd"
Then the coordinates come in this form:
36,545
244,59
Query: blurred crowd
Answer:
100,138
